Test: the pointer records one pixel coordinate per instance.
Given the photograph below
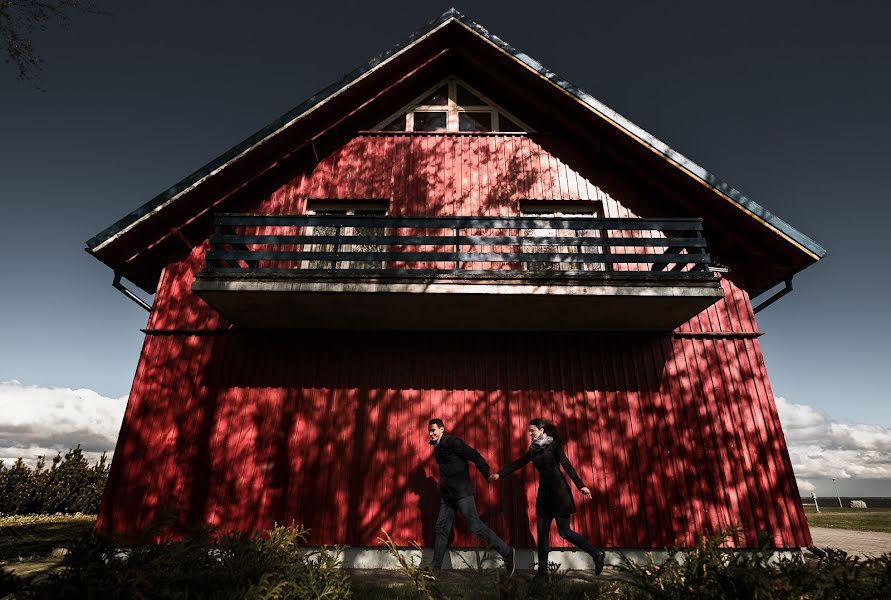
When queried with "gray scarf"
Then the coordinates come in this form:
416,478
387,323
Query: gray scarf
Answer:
542,440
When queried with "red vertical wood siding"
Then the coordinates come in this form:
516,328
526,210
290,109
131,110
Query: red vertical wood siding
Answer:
675,434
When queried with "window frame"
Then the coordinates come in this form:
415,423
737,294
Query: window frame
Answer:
452,110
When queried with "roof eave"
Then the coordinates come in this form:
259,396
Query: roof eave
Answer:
720,188
110,233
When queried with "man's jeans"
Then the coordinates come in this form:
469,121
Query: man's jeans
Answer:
467,506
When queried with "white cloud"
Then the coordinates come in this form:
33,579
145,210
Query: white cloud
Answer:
39,421
804,486
821,447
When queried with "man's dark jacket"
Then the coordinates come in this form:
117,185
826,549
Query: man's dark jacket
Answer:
452,455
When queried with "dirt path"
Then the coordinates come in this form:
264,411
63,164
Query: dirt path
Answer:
862,543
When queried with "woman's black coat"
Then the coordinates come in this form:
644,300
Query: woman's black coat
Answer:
554,497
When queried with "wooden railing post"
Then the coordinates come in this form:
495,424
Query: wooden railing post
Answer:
457,247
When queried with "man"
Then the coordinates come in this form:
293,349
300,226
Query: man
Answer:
452,455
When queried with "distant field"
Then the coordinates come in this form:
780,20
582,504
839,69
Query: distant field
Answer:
35,537
868,519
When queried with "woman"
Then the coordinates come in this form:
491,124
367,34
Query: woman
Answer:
554,499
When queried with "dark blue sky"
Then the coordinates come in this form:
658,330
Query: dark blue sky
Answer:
788,102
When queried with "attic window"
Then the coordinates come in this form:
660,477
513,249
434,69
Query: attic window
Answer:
452,106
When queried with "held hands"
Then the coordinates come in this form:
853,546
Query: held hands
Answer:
494,477
586,492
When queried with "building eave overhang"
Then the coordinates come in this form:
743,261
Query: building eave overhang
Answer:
723,189
302,113
255,141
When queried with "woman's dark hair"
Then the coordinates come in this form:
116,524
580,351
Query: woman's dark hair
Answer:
548,428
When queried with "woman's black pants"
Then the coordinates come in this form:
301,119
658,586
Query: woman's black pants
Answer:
543,525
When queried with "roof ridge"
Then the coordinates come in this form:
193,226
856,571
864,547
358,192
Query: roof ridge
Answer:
676,158
187,181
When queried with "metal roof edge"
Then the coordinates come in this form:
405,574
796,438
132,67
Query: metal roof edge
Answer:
252,140
650,140
735,196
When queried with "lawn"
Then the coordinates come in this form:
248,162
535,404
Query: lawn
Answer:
28,537
860,519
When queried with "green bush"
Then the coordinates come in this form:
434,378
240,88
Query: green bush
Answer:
275,564
69,485
204,564
487,583
711,572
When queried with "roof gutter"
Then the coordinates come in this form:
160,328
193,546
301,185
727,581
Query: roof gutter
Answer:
786,289
116,284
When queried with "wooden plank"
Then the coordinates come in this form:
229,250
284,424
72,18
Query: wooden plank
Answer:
651,454
475,240
698,440
116,511
212,464
601,523
489,222
742,431
565,276
529,257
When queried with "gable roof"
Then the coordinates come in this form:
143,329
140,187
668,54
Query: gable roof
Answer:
110,245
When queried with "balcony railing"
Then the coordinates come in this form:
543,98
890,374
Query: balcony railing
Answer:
457,273
454,247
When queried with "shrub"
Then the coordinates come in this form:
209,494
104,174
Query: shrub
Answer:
836,576
208,564
8,583
203,564
491,583
15,488
69,485
709,571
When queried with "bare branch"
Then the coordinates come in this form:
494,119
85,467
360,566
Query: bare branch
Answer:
21,19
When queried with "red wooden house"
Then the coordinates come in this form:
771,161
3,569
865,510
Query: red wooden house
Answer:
453,231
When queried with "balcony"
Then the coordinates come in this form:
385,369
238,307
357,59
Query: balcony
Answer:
457,273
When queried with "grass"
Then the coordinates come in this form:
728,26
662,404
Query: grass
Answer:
29,537
859,519
36,536
261,566
33,538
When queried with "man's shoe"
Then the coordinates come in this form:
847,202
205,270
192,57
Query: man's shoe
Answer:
598,561
509,565
540,577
